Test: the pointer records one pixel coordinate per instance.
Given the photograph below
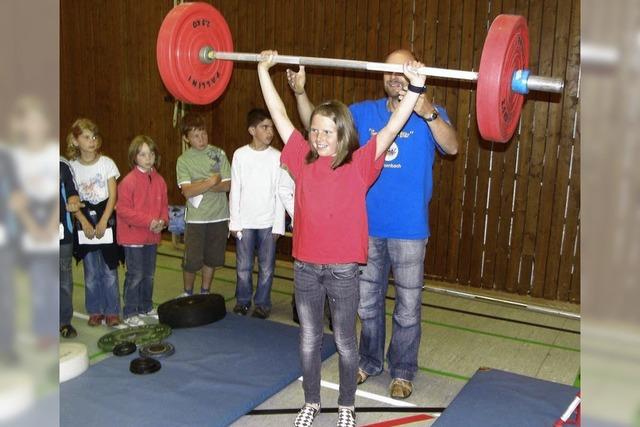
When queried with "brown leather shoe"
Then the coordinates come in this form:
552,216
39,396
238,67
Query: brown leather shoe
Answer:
95,320
400,389
112,320
362,376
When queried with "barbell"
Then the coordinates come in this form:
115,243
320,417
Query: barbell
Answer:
195,59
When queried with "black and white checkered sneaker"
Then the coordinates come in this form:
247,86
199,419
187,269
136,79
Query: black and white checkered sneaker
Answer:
346,418
306,415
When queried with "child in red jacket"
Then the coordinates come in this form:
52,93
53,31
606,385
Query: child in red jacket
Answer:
142,212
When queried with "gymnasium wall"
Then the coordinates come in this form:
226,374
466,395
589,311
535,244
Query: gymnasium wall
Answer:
503,216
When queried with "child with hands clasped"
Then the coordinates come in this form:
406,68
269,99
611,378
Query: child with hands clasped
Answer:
96,177
142,211
332,177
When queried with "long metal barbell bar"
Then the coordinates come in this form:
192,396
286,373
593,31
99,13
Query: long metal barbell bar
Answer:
195,59
522,82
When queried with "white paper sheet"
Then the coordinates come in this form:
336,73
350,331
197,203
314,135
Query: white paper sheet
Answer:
195,200
107,238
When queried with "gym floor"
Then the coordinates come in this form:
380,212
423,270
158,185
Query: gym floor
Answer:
458,337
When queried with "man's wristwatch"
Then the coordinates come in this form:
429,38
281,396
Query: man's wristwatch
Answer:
431,117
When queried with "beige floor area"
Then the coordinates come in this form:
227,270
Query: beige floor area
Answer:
458,336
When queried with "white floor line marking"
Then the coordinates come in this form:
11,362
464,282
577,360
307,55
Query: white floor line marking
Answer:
80,315
366,394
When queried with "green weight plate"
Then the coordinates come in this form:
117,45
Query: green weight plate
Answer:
140,335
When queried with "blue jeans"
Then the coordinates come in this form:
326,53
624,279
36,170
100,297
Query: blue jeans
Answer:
406,257
138,280
260,241
66,284
8,301
41,269
340,283
102,295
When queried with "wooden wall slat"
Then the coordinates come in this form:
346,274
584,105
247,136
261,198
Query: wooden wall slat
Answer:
440,94
524,157
539,156
460,121
518,192
445,186
502,251
377,40
556,168
471,155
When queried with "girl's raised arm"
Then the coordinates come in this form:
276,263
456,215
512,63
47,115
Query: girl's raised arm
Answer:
401,115
272,99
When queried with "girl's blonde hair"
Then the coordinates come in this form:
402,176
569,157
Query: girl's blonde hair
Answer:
347,133
136,145
79,126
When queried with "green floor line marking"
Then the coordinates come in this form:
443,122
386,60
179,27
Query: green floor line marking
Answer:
576,383
444,374
444,325
98,354
506,337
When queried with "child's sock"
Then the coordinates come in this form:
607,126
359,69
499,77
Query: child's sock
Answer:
204,291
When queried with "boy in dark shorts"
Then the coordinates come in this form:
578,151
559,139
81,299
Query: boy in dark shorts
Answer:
204,176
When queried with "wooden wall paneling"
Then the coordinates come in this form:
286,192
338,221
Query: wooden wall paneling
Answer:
525,145
328,48
350,42
305,48
534,205
341,39
446,185
503,239
430,37
471,156
397,27
485,154
440,94
377,16
499,156
574,294
408,24
433,57
460,122
363,34
554,188
569,274
417,33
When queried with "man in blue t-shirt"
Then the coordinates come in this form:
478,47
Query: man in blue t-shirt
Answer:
398,215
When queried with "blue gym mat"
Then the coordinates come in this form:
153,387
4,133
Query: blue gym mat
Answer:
218,373
494,398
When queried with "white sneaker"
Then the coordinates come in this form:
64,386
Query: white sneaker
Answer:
152,313
134,321
184,295
306,416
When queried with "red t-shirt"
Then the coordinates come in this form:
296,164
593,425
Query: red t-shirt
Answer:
330,213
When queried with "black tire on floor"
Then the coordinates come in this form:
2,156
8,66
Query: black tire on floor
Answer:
195,310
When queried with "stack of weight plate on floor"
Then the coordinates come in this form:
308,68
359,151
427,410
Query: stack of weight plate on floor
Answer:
124,342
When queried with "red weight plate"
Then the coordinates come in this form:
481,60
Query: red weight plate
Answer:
506,49
184,32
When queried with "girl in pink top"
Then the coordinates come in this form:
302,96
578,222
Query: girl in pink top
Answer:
142,212
332,176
